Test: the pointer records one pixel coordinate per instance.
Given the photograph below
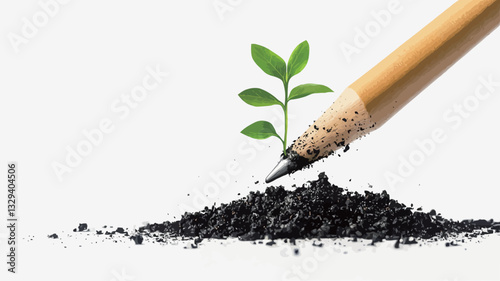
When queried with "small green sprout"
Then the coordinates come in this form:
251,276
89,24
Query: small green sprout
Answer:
274,65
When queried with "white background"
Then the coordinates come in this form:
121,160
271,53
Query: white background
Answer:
66,78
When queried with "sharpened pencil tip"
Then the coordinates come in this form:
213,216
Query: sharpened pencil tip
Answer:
283,168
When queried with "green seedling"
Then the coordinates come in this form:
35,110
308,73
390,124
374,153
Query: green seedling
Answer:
274,65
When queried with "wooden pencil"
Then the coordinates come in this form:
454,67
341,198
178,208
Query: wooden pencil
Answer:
386,88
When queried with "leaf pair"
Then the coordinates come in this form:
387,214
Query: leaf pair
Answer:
274,65
258,97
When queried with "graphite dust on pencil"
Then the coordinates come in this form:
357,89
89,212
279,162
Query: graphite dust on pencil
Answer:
380,93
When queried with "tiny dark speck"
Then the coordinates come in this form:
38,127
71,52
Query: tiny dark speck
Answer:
270,243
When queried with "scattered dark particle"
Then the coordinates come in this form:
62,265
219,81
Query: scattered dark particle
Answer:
137,238
188,194
317,245
53,236
270,243
346,148
316,127
239,194
419,209
120,230
81,227
355,112
343,119
339,144
256,182
296,252
98,232
370,186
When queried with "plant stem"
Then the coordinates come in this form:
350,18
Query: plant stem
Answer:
285,109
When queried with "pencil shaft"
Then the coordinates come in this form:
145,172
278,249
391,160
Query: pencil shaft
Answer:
398,78
375,97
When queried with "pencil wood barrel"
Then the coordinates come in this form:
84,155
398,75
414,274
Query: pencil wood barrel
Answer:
380,93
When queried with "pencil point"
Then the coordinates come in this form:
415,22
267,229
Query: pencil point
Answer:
283,168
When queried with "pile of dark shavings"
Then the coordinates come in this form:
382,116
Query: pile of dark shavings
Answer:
318,209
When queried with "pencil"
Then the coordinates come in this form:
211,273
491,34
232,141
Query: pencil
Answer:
386,88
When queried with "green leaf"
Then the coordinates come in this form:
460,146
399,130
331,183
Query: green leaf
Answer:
306,89
269,62
298,59
260,130
259,97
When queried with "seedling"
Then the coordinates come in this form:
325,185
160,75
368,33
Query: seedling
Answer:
274,65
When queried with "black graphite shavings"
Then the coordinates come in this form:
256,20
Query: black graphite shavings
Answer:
297,162
318,209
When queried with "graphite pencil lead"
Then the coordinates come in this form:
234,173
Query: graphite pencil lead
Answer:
283,167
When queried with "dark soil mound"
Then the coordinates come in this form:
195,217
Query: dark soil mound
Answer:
318,209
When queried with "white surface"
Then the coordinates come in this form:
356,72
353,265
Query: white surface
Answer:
339,259
67,77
